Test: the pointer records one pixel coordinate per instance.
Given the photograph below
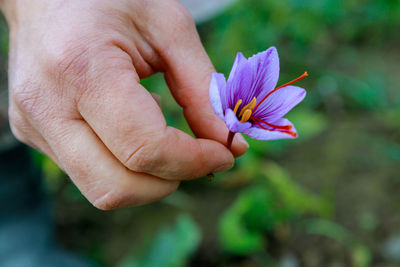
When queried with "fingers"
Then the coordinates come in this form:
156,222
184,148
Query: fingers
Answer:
188,76
102,178
89,113
187,67
131,125
105,182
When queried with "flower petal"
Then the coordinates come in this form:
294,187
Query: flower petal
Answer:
265,66
234,125
240,80
218,88
256,132
239,60
279,103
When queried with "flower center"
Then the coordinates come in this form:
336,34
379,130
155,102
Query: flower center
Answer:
245,112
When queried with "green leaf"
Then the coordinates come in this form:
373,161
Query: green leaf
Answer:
327,228
235,236
273,200
291,195
171,247
361,256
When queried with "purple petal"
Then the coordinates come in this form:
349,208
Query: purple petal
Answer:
256,132
280,102
239,60
217,88
240,81
234,125
265,66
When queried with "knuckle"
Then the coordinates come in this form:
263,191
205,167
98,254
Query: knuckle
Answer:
68,58
182,19
141,160
145,158
34,102
182,14
103,194
115,199
175,21
31,102
107,202
73,64
119,198
16,125
26,96
18,134
14,117
171,9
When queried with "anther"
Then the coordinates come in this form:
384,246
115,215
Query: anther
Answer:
237,106
249,106
246,115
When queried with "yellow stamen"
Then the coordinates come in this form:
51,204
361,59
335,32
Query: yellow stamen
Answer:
246,115
249,106
253,103
237,106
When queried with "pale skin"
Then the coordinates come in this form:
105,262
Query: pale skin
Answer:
75,95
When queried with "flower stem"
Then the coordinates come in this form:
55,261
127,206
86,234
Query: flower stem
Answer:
229,141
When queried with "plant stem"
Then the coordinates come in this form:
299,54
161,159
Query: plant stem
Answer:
229,141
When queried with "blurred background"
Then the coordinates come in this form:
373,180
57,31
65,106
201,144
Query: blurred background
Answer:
329,198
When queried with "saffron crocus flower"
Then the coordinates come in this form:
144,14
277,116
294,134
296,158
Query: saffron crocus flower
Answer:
249,103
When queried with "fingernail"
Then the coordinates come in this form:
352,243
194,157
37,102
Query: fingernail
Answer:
223,168
242,141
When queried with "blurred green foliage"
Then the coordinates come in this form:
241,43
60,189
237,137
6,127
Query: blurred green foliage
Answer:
273,201
171,247
328,198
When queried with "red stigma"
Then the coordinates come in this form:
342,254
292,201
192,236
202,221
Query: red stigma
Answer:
283,127
294,134
305,74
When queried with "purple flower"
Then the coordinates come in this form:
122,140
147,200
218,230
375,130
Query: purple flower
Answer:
249,103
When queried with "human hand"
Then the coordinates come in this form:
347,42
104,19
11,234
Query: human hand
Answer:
75,95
